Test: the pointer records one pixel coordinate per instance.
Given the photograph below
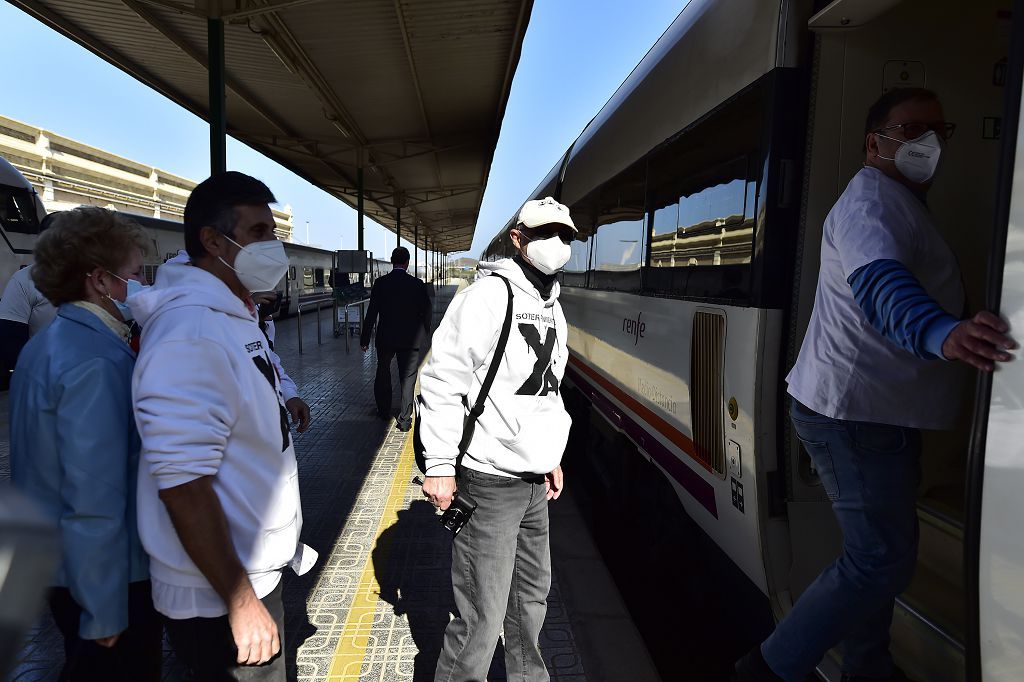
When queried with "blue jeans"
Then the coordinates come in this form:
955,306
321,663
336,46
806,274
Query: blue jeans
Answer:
871,473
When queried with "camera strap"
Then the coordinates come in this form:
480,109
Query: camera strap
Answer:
469,425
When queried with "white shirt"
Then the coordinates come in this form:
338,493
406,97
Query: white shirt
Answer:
848,370
23,303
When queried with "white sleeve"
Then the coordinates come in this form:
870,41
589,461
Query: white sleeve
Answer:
15,304
288,388
868,230
185,404
460,346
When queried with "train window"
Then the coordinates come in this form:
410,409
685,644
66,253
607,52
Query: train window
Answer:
613,218
318,277
574,274
712,225
703,206
307,278
291,272
18,210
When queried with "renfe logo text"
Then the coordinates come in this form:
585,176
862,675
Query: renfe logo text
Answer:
634,328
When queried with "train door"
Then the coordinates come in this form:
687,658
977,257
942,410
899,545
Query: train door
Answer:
994,541
862,49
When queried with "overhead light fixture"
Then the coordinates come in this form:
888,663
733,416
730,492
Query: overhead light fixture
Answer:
337,124
282,55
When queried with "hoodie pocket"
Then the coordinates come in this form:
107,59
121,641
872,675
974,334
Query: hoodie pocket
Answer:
536,446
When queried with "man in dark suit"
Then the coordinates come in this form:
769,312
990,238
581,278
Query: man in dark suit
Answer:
404,307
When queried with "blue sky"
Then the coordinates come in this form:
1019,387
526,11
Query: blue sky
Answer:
575,54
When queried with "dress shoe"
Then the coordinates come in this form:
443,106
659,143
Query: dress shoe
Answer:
896,676
403,426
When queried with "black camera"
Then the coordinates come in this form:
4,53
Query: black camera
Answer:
458,513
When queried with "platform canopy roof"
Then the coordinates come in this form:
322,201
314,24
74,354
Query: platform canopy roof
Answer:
414,90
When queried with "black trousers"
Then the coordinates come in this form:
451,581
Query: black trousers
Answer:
207,647
138,654
408,361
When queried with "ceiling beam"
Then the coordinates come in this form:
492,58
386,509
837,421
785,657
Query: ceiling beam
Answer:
256,10
308,71
240,91
183,8
404,30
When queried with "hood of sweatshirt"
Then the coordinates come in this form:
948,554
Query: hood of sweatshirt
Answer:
178,286
509,269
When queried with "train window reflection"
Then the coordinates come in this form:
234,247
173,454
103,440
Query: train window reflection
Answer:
714,221
307,277
574,274
618,255
612,218
702,205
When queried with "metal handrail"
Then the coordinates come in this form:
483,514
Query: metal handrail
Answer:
362,316
319,303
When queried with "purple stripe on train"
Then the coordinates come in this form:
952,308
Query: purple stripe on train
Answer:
699,489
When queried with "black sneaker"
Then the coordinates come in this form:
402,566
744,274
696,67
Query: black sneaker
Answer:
752,668
403,426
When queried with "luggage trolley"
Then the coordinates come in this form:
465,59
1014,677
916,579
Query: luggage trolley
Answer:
349,299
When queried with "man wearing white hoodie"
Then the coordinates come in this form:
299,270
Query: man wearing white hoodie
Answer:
501,560
218,493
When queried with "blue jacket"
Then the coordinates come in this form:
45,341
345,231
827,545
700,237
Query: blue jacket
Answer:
75,451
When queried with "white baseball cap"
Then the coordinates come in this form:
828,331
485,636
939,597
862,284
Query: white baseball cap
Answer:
544,211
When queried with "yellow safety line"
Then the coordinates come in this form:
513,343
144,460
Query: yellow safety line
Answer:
355,637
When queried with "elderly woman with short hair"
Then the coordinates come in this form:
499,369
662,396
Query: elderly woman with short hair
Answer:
75,449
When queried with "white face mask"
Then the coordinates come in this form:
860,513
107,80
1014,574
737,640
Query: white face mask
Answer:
548,255
917,159
259,265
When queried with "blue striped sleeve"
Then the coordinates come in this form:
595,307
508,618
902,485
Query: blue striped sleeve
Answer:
899,308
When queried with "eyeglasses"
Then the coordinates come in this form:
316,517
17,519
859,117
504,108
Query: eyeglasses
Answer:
546,232
915,129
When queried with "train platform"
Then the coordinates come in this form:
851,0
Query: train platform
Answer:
376,604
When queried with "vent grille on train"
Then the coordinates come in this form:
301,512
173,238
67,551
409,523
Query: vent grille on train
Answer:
707,355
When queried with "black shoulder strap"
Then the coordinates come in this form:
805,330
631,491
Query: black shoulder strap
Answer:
492,371
499,351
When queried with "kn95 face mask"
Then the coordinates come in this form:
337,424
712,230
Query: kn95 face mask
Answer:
548,255
917,160
259,265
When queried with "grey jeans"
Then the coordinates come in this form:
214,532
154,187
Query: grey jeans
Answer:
501,575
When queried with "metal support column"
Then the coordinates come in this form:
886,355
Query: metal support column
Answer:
218,101
359,210
398,219
416,249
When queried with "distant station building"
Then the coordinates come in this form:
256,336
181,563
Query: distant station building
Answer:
68,173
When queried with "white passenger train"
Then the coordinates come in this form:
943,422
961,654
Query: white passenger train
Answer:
309,275
700,190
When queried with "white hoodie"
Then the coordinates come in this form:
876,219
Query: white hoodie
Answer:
208,403
524,425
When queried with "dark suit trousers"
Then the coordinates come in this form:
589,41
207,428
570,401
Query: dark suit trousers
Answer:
207,647
138,654
408,361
